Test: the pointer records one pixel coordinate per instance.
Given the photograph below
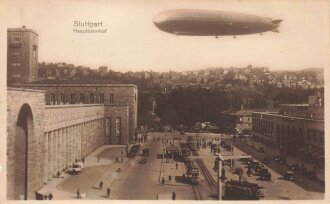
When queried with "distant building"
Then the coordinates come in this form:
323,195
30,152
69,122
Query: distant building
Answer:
237,121
22,55
295,128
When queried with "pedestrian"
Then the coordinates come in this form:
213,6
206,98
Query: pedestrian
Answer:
98,158
169,177
108,192
116,159
176,165
122,153
101,184
76,160
78,193
83,160
121,159
163,181
45,197
50,196
173,196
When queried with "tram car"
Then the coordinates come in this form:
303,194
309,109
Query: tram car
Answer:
192,145
186,154
238,190
192,172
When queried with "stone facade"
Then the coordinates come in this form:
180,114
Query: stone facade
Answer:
292,133
45,139
25,142
107,94
22,55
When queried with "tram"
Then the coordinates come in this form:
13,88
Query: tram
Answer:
192,172
238,190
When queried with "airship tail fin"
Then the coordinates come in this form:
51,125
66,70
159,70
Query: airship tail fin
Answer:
278,21
276,31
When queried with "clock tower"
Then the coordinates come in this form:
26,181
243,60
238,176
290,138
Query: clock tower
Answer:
22,55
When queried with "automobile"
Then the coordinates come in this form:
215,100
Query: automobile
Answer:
280,159
77,167
238,171
145,151
143,161
277,157
265,174
294,167
261,149
289,175
266,161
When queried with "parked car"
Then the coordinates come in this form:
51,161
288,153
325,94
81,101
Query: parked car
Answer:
289,175
280,159
266,161
77,167
238,171
145,151
261,149
143,161
265,174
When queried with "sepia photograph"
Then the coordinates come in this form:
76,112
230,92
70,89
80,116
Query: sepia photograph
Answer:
188,100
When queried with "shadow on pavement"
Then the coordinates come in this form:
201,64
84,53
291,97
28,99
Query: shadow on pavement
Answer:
181,179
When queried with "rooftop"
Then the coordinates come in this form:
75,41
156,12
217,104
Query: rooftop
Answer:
23,29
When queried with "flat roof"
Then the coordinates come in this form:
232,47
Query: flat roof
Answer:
74,85
286,116
24,89
21,30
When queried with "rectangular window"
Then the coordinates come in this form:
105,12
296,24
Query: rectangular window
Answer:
118,129
82,98
108,129
15,53
16,75
52,99
321,137
101,98
111,98
91,98
16,38
15,64
62,98
72,98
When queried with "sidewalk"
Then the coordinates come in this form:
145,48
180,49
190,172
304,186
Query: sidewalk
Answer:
320,174
90,161
169,168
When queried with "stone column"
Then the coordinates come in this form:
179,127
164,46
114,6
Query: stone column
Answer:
46,158
67,145
74,142
70,144
58,151
62,153
54,152
50,156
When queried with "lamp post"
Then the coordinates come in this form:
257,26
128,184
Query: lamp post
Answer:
219,161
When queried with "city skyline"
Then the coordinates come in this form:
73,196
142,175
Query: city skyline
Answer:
133,43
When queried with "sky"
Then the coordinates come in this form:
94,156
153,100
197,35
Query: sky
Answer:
133,43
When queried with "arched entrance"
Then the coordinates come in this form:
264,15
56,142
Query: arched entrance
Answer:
24,131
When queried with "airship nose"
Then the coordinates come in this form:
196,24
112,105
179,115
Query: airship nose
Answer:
160,20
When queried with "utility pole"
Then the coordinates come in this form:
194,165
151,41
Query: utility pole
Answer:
219,186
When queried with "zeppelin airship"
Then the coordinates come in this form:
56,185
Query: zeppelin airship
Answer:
213,23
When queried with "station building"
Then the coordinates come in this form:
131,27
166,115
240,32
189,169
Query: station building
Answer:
51,125
296,128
